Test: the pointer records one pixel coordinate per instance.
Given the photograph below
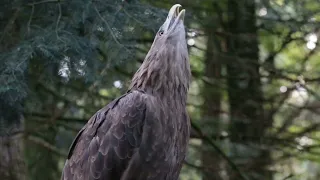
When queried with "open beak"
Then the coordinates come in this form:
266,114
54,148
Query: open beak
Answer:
174,15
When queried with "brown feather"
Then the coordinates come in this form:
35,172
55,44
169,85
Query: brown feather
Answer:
142,135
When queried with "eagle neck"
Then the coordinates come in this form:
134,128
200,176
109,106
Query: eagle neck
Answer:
164,77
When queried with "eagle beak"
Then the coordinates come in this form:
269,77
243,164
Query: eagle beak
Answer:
174,14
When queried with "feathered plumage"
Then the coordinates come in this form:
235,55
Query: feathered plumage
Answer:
142,135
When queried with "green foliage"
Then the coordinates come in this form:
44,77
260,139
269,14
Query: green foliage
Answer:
51,51
84,37
61,61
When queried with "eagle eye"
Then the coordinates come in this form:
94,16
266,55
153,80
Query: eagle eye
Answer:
161,32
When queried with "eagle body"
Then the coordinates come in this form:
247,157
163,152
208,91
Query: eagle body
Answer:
142,135
143,142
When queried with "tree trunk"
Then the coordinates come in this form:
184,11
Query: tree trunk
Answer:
211,109
43,162
12,165
244,88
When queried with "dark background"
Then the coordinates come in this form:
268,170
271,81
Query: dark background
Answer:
254,98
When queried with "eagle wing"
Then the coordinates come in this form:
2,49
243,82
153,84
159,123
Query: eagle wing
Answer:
110,146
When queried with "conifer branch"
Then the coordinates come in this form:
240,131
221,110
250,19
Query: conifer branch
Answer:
108,26
43,143
44,1
30,19
209,141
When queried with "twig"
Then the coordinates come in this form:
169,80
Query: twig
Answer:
30,19
58,21
66,119
47,145
194,166
209,141
107,24
288,177
44,1
10,23
129,15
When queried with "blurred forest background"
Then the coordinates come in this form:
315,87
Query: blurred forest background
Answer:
254,100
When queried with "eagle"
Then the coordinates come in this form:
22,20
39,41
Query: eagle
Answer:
143,134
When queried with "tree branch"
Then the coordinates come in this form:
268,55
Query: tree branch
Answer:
47,145
221,153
